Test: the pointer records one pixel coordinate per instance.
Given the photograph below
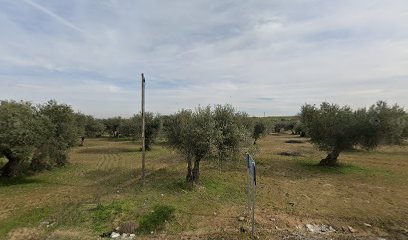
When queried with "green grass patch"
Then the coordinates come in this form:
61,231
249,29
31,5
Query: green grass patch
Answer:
70,214
29,219
222,189
103,215
155,220
169,181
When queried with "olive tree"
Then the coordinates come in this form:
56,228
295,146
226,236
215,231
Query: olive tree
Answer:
233,132
285,125
53,151
299,129
205,133
35,138
334,129
259,131
112,125
65,133
132,127
21,131
88,126
192,133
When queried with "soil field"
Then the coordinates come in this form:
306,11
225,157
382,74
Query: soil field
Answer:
366,197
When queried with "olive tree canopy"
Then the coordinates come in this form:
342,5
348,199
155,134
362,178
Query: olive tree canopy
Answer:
220,133
334,129
35,137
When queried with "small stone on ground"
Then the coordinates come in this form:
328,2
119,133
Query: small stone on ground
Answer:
114,235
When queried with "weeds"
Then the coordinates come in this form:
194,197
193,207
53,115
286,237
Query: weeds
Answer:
156,219
103,215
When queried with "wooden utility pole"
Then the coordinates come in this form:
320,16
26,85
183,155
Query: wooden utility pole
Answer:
143,129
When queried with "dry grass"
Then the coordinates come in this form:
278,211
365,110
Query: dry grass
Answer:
100,189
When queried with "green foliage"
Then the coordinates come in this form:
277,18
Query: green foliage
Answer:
103,215
177,129
132,127
233,132
63,118
88,126
112,125
287,125
153,126
220,133
334,129
35,137
156,219
22,130
259,131
299,129
387,124
404,122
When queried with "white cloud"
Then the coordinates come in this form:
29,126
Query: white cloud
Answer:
205,52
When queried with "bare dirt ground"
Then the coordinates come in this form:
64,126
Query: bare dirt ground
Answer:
365,198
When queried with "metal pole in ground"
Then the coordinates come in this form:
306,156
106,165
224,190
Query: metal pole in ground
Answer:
249,184
143,129
253,204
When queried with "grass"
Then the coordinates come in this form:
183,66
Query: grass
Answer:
103,215
29,218
100,189
341,168
156,219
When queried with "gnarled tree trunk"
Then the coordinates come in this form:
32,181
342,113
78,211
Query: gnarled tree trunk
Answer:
196,171
331,158
11,168
189,176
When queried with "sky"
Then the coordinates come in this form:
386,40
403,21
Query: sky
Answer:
262,56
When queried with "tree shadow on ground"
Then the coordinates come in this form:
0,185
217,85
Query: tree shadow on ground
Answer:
113,150
340,168
167,180
19,181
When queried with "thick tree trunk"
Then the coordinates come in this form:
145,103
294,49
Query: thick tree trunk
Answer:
10,169
331,158
189,176
196,171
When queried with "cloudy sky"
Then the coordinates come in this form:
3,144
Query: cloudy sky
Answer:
260,56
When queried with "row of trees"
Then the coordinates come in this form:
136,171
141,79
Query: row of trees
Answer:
39,137
132,127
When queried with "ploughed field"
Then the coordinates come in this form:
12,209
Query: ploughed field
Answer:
365,198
